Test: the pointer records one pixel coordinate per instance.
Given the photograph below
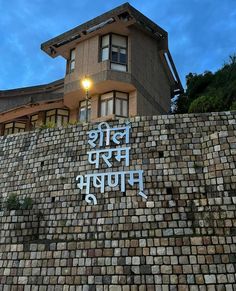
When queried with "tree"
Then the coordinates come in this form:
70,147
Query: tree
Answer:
209,91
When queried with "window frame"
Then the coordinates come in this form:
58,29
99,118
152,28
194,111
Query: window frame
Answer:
33,123
110,46
106,102
89,107
114,97
101,47
14,127
56,116
123,99
71,61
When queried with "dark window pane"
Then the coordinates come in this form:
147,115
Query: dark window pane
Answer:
123,58
114,54
114,57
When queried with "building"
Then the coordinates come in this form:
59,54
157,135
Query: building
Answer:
127,58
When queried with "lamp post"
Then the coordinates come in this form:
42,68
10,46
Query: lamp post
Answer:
86,83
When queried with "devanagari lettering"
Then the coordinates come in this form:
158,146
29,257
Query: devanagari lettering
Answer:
102,131
118,136
81,184
139,179
103,134
112,178
102,137
106,154
124,156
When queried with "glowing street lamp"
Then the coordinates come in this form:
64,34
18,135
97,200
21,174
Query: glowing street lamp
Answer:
86,84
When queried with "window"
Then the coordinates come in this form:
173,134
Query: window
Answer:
121,104
57,116
82,110
14,127
105,47
114,48
72,60
114,103
107,104
33,120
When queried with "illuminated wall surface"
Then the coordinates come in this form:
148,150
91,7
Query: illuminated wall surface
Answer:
172,225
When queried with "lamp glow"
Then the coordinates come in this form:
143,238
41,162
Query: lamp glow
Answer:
86,83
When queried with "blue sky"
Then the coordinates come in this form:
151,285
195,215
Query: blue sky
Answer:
202,34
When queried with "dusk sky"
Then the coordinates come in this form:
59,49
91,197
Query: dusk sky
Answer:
202,34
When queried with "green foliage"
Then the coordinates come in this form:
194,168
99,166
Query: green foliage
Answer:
198,83
233,106
206,103
14,203
74,123
209,92
50,124
47,125
26,203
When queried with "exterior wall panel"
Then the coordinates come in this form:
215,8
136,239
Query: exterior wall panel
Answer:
148,70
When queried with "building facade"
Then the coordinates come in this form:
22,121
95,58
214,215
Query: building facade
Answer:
126,57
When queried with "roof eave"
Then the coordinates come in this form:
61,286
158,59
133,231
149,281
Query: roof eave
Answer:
55,85
79,32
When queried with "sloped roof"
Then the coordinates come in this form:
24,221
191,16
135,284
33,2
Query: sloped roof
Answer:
123,12
11,99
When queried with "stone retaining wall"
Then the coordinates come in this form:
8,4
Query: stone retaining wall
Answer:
182,238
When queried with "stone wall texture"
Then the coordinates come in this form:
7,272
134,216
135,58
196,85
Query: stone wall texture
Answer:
182,238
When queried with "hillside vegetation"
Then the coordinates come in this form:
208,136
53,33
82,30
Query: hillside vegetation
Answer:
209,92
